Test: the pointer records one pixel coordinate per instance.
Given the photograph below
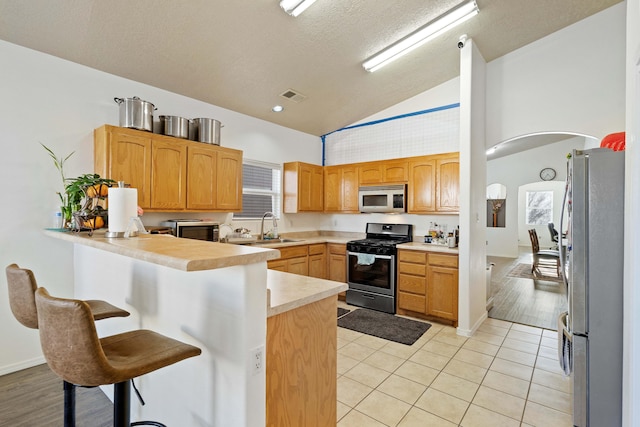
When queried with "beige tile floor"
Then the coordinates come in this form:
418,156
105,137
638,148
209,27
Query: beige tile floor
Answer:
507,374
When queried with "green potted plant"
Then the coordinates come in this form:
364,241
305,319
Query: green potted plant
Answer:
80,199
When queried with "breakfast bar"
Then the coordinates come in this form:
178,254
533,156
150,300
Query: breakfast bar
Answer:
218,297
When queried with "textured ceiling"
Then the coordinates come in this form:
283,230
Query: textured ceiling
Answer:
241,54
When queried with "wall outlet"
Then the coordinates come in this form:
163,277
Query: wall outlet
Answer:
257,360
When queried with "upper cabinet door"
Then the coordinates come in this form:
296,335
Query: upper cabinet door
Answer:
350,187
333,188
303,187
229,181
168,175
124,155
395,172
201,178
422,183
448,185
370,173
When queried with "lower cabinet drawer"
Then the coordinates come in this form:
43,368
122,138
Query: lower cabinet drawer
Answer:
415,269
413,284
293,251
412,302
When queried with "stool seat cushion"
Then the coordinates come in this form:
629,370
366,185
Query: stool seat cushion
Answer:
74,352
103,310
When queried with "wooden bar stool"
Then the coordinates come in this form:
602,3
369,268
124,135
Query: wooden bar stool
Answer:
75,353
22,287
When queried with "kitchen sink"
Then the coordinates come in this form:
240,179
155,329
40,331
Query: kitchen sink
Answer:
275,241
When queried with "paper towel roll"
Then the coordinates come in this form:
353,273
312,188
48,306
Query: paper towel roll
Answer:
123,204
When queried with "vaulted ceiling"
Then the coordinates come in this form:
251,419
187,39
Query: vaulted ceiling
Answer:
242,54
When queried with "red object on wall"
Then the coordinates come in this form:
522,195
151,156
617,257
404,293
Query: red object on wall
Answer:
615,141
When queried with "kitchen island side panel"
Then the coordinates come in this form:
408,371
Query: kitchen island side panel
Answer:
222,311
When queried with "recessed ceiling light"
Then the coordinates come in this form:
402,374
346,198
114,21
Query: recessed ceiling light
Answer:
277,108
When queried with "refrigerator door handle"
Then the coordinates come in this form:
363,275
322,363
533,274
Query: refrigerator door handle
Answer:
563,254
564,344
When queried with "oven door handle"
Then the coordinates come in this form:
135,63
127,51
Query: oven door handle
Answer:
375,255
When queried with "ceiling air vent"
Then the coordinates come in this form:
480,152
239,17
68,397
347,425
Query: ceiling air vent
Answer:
292,95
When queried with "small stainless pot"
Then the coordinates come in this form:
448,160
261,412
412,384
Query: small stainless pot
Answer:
208,130
175,126
136,113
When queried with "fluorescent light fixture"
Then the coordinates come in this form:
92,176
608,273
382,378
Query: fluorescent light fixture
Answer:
433,29
295,7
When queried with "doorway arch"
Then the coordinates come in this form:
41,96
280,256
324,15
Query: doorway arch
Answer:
518,161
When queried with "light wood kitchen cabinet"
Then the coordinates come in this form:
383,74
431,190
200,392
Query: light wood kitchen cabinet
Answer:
214,179
293,259
124,155
318,260
229,181
434,184
383,172
341,188
428,285
337,264
412,272
170,174
370,173
303,187
448,184
421,195
202,178
442,286
301,366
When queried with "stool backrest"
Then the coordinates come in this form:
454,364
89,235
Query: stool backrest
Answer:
22,287
69,340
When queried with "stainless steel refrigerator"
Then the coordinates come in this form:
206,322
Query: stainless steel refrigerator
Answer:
593,271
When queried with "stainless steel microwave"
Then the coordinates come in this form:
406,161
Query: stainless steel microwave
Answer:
384,199
194,229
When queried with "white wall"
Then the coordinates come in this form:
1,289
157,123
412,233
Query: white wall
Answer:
59,103
571,80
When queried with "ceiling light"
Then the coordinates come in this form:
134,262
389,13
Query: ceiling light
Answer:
453,17
295,7
277,108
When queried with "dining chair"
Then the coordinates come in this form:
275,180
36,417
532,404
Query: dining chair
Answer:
546,257
554,235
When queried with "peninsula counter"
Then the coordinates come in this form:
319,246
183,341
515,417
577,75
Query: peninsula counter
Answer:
214,296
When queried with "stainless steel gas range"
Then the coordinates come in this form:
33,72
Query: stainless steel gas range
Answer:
371,266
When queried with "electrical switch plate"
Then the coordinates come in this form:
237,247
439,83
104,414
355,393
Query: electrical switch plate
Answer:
257,360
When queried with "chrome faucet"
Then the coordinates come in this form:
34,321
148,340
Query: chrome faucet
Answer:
275,225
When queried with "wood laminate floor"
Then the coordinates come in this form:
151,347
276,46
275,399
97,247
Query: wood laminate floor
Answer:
34,397
526,301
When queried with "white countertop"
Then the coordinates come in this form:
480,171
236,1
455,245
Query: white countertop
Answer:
287,291
428,247
164,249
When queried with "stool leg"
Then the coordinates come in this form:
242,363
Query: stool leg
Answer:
69,404
122,404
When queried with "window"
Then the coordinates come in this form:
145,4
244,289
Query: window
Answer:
539,207
260,189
